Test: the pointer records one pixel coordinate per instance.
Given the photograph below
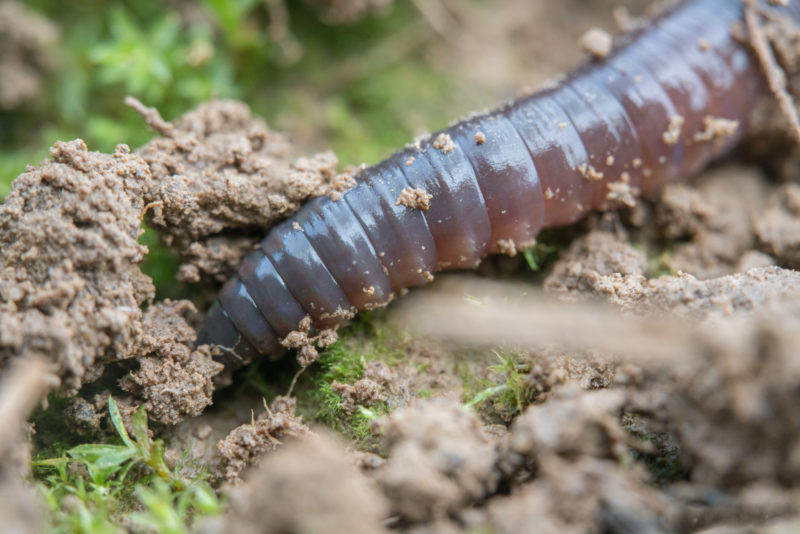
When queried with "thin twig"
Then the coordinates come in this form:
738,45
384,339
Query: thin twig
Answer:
776,77
151,116
294,380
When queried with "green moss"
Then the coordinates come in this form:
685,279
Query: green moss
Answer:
367,339
503,390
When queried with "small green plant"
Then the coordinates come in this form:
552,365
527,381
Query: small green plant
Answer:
97,487
509,397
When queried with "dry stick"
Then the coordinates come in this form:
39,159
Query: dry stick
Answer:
776,77
151,116
294,380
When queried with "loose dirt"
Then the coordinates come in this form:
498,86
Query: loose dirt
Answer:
220,177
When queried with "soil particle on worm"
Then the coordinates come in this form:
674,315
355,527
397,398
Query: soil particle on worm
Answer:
217,170
597,42
414,198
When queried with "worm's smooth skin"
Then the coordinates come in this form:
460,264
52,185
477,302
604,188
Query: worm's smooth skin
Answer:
497,179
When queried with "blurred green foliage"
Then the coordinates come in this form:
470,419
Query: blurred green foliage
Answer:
362,90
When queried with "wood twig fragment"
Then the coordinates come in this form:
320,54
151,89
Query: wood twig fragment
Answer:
776,77
151,116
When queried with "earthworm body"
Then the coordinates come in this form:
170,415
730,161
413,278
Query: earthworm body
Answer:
666,101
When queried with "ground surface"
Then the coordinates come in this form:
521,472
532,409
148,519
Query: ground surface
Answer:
637,372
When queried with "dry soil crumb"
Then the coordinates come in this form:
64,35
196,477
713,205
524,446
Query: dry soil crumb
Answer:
247,444
392,386
72,289
716,216
622,193
594,427
589,495
174,381
778,226
733,409
414,198
597,42
27,39
722,409
307,344
598,263
439,460
578,484
308,486
716,129
221,170
603,265
673,131
69,276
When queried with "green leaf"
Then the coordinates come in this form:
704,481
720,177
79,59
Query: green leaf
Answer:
102,456
116,420
531,259
206,501
160,514
140,430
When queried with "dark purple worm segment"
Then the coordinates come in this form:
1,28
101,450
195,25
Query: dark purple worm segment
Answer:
665,102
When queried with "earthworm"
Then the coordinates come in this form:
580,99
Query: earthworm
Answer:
665,101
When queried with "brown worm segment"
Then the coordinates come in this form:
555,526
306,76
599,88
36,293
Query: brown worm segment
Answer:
648,114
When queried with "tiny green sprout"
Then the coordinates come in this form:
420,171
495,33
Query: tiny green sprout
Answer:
512,395
537,255
485,395
367,413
